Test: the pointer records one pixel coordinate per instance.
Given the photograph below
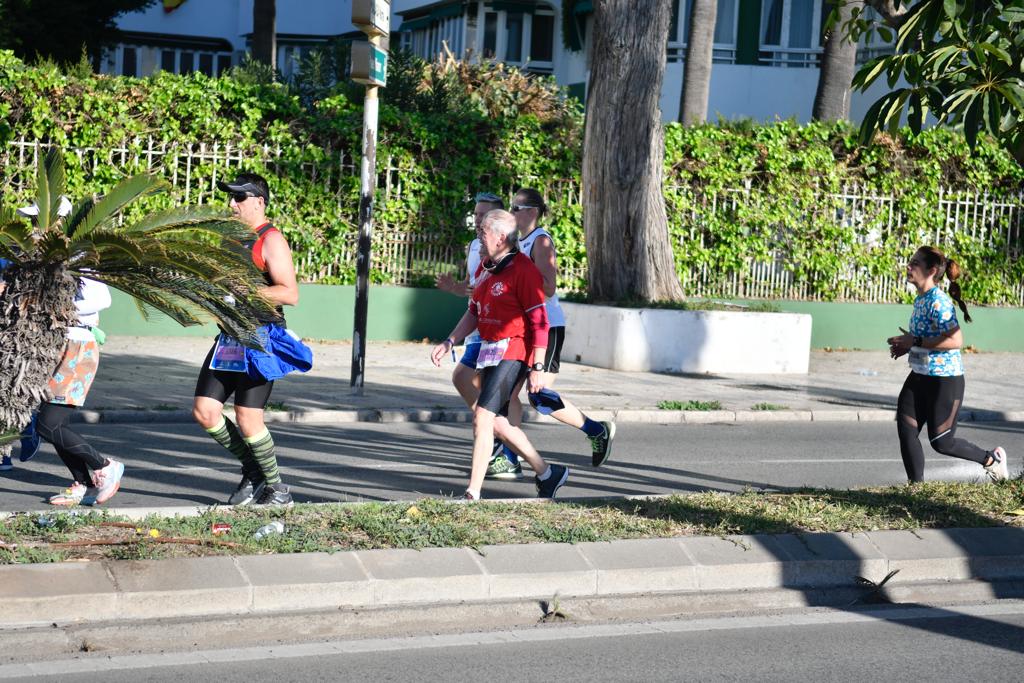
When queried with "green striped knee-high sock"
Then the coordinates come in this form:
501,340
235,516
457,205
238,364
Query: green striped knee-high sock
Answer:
228,436
262,447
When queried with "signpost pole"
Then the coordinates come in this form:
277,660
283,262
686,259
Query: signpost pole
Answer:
373,16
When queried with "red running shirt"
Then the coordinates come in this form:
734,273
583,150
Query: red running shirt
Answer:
502,301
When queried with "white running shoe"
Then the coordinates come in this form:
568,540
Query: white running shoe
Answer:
107,481
70,496
998,470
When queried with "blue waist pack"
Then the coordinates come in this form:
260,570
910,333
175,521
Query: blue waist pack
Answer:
283,352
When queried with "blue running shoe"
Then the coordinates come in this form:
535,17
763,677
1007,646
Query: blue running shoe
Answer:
550,486
5,464
29,442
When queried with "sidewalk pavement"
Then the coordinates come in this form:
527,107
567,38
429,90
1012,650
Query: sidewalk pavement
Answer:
151,379
47,606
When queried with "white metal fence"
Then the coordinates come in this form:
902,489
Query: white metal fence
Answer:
405,253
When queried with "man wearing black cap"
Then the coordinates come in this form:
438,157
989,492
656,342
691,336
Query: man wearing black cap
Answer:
222,375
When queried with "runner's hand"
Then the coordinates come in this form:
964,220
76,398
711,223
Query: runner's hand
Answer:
439,352
445,282
536,381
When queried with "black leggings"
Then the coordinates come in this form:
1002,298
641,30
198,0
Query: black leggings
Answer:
936,401
79,456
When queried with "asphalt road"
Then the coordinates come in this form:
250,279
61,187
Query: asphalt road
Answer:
177,464
973,642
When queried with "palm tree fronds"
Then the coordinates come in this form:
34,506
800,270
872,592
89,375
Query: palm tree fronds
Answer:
43,189
124,193
102,242
15,239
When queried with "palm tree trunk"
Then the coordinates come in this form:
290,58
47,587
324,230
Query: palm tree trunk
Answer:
838,64
264,32
693,102
36,308
629,254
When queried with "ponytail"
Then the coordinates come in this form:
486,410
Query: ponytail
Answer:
953,272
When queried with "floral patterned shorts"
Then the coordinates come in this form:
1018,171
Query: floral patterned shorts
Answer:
70,383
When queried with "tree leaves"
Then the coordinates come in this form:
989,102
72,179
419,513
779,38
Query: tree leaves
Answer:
970,50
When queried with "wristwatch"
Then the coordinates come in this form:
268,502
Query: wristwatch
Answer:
918,340
539,367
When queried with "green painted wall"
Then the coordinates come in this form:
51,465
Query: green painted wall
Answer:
867,326
402,313
324,312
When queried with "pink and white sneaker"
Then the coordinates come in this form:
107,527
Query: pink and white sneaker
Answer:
70,496
107,481
998,470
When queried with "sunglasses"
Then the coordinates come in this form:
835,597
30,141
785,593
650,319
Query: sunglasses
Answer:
240,197
516,208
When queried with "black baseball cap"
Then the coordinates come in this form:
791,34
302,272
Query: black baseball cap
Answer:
248,183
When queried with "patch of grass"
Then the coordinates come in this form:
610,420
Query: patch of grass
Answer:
442,523
690,405
768,406
279,406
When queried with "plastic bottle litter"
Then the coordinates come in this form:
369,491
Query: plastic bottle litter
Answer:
220,528
867,373
45,522
268,529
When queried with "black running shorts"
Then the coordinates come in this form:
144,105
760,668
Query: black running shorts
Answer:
553,354
219,385
497,382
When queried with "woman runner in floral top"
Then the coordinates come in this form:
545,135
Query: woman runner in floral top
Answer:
934,390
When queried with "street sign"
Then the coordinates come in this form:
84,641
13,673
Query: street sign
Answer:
369,64
372,17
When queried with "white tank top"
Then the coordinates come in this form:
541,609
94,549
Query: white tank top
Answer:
556,317
472,266
473,261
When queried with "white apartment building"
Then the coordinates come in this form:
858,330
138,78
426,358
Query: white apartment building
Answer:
766,52
212,35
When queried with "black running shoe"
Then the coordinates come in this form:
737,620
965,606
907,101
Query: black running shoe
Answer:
250,487
602,445
548,487
274,494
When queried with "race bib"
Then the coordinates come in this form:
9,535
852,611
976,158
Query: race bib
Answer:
919,360
491,353
228,355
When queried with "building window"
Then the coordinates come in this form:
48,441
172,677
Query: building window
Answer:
223,63
790,32
542,38
490,50
514,37
186,63
129,62
169,60
724,48
206,63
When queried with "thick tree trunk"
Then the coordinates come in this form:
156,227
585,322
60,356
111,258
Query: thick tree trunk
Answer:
838,64
264,32
693,101
629,255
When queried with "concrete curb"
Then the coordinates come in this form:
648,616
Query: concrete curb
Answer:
82,593
620,415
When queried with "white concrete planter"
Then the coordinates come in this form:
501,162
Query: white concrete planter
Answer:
665,340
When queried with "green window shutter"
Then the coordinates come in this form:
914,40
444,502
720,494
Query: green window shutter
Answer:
446,11
748,32
414,24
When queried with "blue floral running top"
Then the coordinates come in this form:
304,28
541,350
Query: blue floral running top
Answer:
934,314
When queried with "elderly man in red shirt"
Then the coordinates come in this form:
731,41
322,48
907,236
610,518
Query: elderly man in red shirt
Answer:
507,308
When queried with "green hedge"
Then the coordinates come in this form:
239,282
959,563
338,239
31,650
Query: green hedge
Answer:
738,194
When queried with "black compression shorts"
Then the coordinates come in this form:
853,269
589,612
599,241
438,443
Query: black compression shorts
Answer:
553,354
219,385
497,382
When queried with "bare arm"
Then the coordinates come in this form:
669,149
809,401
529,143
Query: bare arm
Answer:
278,257
947,341
544,258
466,325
